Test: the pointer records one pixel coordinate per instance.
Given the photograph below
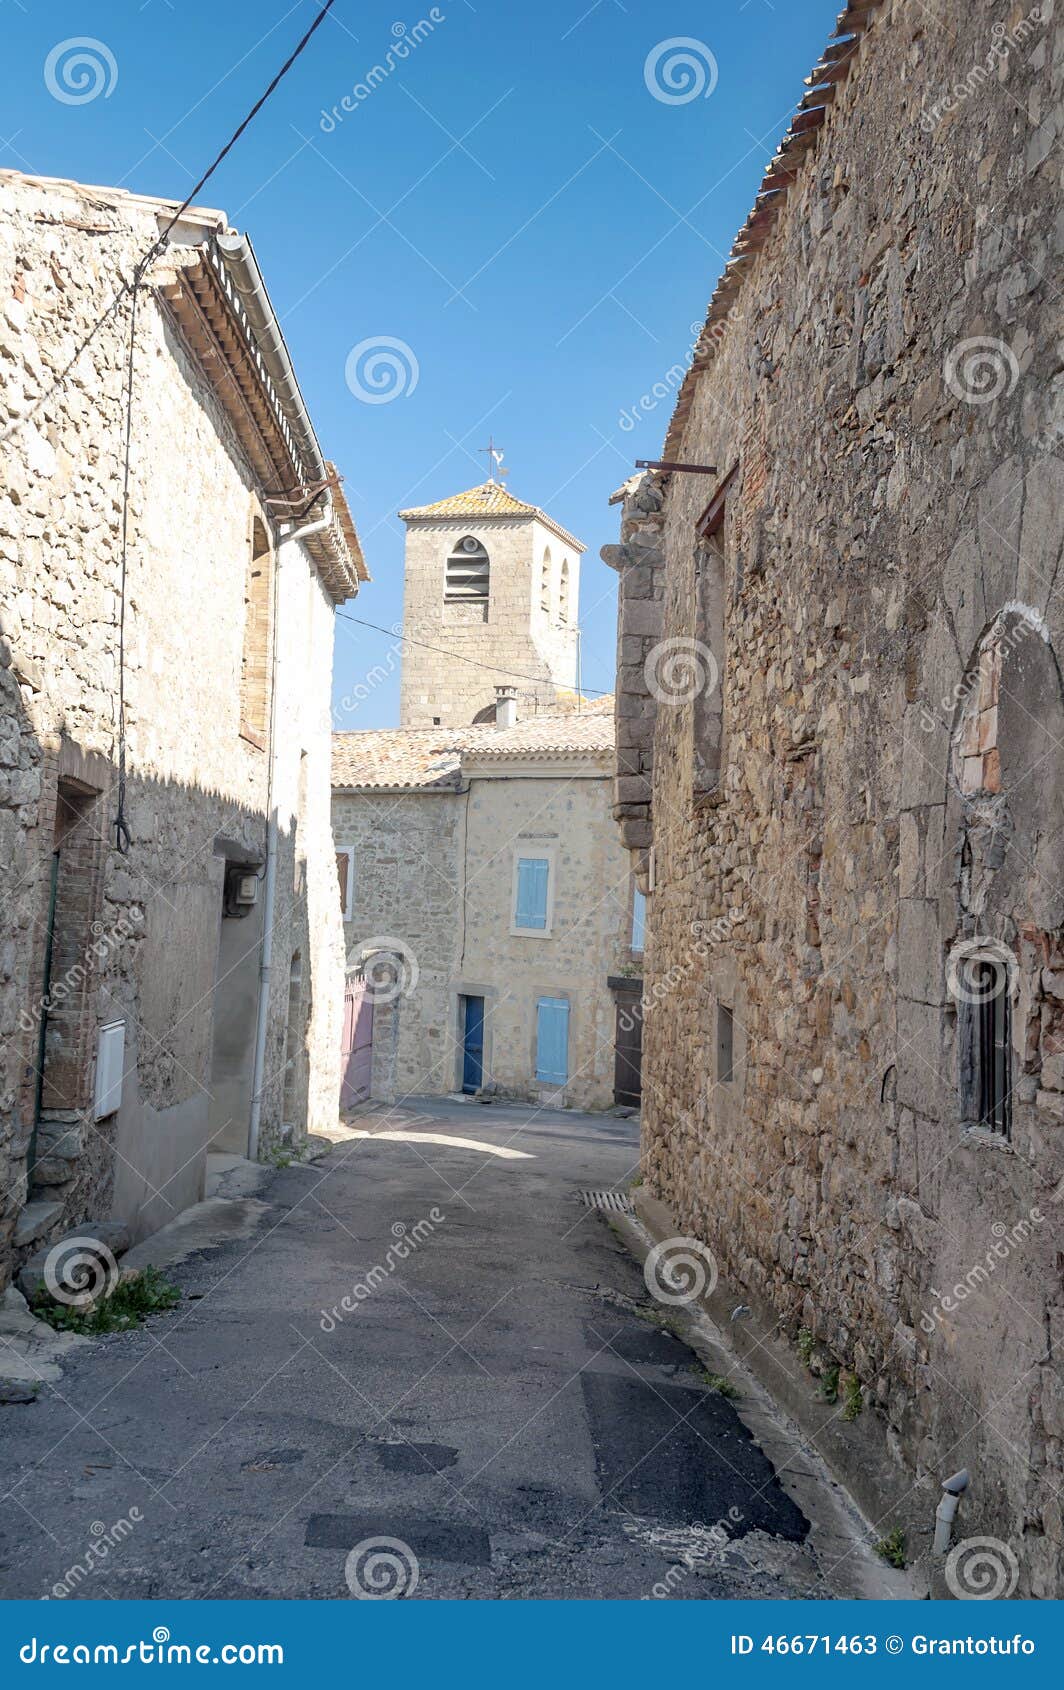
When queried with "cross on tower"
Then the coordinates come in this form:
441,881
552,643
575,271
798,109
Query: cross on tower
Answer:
495,457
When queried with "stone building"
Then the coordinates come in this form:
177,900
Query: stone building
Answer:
491,578
839,770
165,840
488,904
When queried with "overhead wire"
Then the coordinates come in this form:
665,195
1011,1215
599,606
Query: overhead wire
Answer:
459,657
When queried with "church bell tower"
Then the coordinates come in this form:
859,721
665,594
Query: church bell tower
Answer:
493,584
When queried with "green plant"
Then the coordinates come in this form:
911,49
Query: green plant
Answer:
892,1548
829,1384
129,1305
852,1396
717,1382
805,1345
633,1184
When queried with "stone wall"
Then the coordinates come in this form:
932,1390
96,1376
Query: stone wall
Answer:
147,935
520,627
890,790
434,875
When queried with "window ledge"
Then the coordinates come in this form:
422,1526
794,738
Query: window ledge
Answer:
981,1138
530,933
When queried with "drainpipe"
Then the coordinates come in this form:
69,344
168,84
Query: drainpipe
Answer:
269,887
952,1491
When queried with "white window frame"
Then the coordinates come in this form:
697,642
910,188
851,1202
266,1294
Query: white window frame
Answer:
533,854
349,883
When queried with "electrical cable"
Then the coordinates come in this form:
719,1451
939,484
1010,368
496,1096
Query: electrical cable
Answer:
120,824
512,674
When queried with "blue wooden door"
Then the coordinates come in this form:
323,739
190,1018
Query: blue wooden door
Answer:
473,1044
552,1041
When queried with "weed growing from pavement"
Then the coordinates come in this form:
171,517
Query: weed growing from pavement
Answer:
129,1305
892,1548
805,1345
717,1382
829,1384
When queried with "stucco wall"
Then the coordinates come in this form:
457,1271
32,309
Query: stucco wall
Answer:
886,510
196,790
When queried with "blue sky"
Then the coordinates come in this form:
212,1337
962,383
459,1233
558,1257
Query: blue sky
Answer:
511,202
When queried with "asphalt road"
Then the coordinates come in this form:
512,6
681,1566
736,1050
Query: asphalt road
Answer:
503,1405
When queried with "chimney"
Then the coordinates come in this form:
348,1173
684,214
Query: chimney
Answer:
505,706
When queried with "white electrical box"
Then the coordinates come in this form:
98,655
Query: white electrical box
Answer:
110,1062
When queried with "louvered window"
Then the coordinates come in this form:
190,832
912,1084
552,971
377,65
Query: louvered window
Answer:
467,573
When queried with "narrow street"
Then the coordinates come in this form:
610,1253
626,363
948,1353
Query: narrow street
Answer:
506,1402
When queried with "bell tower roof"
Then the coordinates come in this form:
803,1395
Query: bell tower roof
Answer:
489,500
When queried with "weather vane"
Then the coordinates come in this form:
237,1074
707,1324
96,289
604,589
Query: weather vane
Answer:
495,457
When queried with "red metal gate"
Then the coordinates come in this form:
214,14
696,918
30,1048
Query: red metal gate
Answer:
357,1057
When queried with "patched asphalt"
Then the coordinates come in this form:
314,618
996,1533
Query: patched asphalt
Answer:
504,1404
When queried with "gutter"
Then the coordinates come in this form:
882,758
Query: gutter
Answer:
242,270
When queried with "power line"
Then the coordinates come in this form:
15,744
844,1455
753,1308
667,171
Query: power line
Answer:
121,826
141,266
493,668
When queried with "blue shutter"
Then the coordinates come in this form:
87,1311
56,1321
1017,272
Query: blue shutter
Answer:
552,1041
532,875
639,920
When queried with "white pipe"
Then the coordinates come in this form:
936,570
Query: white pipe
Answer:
269,886
953,1489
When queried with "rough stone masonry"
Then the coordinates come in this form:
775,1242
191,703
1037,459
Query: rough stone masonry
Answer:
840,733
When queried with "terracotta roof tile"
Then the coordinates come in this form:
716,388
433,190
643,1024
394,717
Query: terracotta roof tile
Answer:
430,759
489,500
